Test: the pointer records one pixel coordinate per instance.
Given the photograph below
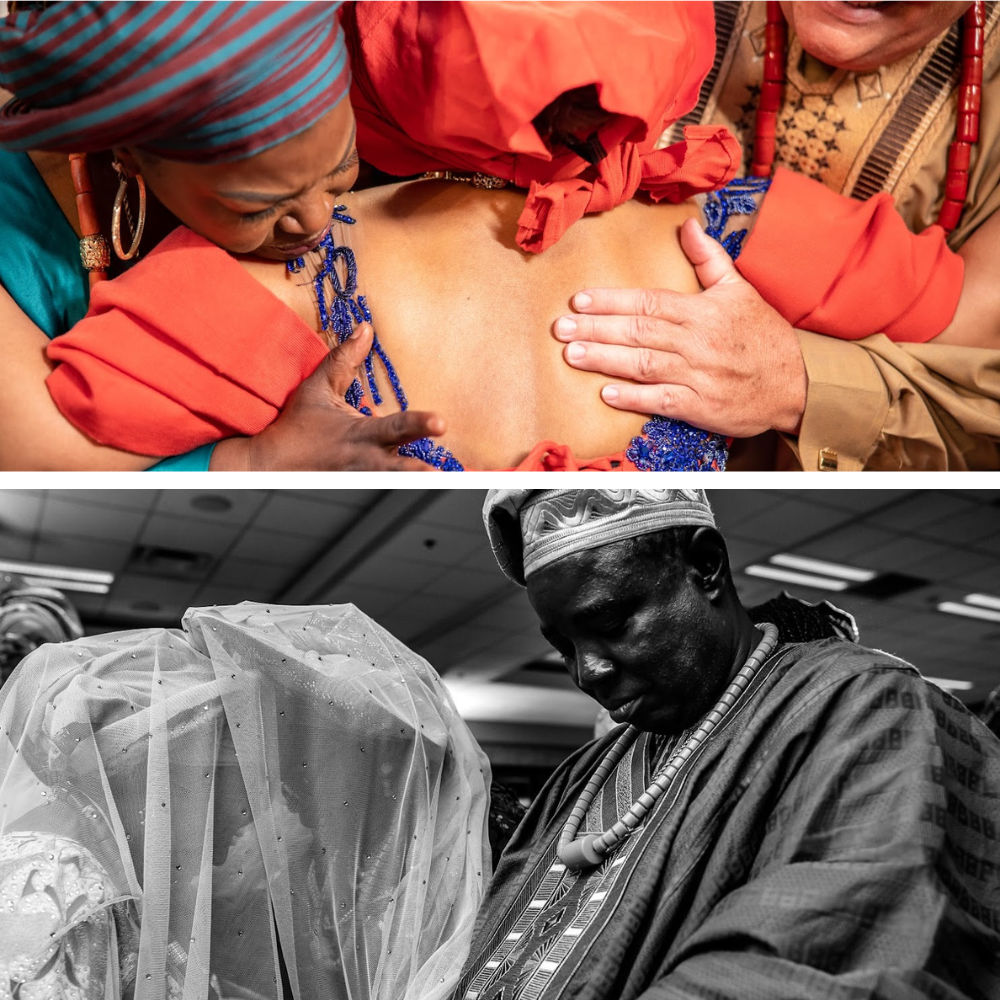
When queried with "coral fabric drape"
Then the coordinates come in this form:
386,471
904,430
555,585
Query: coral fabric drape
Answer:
465,96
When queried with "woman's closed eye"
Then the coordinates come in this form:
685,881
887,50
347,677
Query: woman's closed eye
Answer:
258,216
348,164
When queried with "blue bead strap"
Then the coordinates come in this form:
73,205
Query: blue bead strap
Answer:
739,197
339,318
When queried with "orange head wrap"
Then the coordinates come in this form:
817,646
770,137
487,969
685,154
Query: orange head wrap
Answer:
458,86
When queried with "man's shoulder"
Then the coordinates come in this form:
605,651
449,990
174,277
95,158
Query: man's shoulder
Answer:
838,660
818,673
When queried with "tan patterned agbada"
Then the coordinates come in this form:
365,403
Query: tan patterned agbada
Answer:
873,403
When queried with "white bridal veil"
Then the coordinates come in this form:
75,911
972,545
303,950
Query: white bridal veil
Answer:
272,795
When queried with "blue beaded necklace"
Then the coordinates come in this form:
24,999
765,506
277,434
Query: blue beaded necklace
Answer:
339,317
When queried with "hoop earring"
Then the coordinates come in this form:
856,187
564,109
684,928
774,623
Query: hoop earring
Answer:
116,215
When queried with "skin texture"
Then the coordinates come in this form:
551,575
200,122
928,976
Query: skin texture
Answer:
654,640
722,359
862,37
463,312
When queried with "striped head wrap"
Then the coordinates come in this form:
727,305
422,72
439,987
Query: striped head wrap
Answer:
206,81
530,529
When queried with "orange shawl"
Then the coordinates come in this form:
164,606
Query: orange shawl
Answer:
458,85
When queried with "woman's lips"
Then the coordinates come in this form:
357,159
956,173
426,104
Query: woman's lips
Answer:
306,247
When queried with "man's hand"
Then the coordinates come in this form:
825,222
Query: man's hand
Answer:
721,359
319,431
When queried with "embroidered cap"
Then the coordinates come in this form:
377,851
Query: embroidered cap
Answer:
530,529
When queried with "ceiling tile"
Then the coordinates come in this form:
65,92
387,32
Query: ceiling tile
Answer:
463,584
733,507
437,545
462,509
243,504
398,575
20,512
360,499
859,501
140,499
483,560
292,551
923,508
321,516
133,587
15,549
265,576
849,543
189,534
512,615
89,520
790,522
83,553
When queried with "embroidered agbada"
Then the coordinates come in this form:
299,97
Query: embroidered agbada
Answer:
425,73
202,81
836,837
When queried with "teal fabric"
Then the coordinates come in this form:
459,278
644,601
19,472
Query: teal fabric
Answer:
40,267
194,461
39,260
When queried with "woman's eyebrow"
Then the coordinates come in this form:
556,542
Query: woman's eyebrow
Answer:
273,199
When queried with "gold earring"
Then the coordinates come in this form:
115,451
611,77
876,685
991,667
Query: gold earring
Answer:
116,215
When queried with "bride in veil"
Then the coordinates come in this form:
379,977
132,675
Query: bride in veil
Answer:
273,802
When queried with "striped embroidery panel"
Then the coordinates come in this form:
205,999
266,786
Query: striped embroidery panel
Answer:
565,903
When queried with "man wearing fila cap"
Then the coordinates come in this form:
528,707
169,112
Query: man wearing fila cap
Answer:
769,819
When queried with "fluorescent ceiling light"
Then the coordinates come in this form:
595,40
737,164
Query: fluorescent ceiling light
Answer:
851,573
521,703
788,576
956,608
80,586
983,601
949,685
57,572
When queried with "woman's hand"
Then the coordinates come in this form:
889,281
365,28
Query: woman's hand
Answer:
319,431
721,359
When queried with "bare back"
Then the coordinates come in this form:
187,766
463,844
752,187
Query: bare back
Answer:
466,316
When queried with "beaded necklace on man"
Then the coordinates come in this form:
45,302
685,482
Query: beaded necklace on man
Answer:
970,91
590,850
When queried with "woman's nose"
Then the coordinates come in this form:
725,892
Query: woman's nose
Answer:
310,217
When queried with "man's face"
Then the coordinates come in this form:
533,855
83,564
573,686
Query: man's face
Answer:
639,636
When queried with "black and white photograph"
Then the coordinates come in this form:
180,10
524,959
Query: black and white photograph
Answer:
466,743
